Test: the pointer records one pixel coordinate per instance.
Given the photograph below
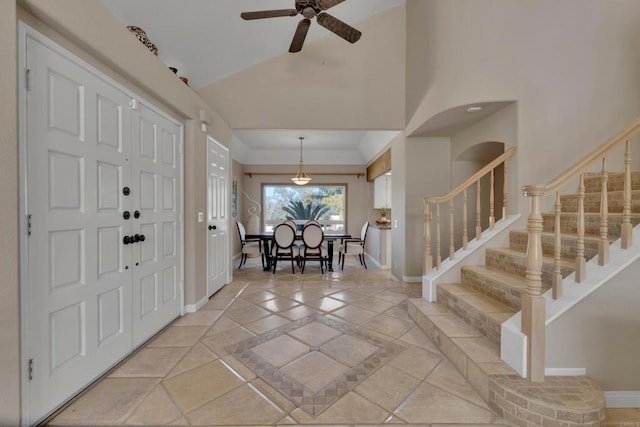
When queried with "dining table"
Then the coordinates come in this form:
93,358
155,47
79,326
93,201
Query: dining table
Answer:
267,241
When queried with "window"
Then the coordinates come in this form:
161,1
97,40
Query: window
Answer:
325,203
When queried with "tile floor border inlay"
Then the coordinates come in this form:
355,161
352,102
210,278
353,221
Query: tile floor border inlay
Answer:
314,403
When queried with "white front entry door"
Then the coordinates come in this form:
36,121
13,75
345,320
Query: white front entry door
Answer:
217,216
90,293
155,194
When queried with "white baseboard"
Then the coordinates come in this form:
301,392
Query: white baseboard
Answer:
565,372
622,399
192,308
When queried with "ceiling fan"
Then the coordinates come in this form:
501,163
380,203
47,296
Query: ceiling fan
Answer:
309,9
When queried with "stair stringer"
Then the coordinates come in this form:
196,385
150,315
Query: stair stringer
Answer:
514,343
474,254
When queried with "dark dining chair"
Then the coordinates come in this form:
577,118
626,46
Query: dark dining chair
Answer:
312,237
283,237
354,247
248,246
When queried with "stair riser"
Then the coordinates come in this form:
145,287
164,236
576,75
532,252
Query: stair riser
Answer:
475,318
518,242
569,203
493,288
568,224
593,183
518,265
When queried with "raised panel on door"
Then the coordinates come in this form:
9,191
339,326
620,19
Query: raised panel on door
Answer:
217,216
156,184
78,311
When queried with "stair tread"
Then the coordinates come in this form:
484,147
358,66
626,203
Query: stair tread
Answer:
482,303
508,279
566,262
592,237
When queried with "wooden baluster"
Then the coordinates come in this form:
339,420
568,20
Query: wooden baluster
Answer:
438,256
627,228
465,233
533,303
452,249
478,212
505,196
557,251
492,213
428,258
580,260
603,243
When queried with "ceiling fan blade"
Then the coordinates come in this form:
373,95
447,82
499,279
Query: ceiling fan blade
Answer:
338,27
300,35
326,4
268,14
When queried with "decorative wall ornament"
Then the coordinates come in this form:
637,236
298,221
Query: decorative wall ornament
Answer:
253,217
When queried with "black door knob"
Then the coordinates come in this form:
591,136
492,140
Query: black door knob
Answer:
141,238
212,227
136,238
136,214
126,191
126,240
126,215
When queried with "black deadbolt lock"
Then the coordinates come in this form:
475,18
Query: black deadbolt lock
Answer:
136,214
126,191
126,215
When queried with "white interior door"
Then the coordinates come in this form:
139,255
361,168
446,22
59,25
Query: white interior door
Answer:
79,313
99,175
217,216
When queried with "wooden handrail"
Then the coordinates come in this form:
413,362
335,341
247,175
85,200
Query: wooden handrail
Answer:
589,160
449,198
473,178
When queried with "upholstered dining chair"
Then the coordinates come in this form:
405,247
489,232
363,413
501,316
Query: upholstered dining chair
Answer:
249,247
283,237
312,237
354,247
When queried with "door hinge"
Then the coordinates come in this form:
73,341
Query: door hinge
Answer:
133,103
30,369
28,79
29,225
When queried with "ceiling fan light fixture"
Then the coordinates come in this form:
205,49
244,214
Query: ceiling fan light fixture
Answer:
301,178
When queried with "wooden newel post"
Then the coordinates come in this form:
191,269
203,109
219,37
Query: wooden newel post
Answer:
533,303
428,258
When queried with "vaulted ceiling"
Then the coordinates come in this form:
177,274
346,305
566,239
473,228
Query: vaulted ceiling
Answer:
207,41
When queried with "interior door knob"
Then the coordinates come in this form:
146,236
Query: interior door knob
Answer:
136,214
141,238
127,240
212,227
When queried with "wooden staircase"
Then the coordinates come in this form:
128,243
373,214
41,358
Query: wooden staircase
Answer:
489,294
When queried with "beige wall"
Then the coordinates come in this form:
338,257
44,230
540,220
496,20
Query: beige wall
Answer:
237,175
427,166
9,303
556,59
330,84
602,334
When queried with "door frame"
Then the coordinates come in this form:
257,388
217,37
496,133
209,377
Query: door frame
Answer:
26,31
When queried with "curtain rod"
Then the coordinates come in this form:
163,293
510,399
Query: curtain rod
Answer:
357,174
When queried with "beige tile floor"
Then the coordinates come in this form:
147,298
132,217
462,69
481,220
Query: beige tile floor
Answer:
285,349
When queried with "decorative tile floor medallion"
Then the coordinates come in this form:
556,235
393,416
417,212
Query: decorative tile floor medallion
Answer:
310,401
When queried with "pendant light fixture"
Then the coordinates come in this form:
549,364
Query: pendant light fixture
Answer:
301,178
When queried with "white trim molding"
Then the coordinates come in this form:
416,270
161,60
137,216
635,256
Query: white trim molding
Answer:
192,308
622,399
